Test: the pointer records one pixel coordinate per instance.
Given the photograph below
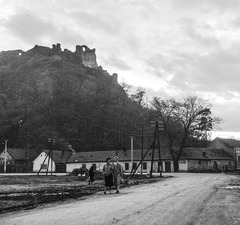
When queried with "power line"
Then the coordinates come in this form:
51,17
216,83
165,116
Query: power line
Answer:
20,31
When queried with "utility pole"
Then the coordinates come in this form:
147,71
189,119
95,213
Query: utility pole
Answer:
159,127
152,146
5,158
51,142
131,152
142,152
154,141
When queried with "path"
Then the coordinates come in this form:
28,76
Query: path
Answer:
184,199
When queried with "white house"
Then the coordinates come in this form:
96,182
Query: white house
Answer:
55,162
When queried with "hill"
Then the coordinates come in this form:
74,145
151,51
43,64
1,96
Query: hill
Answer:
50,93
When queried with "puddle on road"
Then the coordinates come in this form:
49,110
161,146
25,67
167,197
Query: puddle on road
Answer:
231,186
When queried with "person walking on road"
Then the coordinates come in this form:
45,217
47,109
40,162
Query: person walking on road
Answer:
117,173
108,175
91,174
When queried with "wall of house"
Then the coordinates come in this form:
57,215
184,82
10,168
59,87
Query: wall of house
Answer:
71,166
147,166
183,165
39,161
127,167
237,158
208,165
4,155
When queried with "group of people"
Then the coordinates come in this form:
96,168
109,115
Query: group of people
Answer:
112,172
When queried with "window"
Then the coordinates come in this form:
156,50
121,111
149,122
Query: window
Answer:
134,166
126,166
44,166
199,162
239,159
144,166
182,162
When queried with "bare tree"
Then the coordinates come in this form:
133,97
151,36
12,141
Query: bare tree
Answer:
182,119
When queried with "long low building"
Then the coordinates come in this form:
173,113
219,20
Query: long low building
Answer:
98,158
205,160
192,160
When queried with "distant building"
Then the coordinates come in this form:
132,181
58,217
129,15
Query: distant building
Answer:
55,163
86,159
192,160
18,160
205,160
231,146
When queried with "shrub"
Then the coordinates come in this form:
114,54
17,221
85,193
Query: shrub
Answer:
80,172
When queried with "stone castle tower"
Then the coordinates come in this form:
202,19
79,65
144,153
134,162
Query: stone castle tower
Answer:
88,56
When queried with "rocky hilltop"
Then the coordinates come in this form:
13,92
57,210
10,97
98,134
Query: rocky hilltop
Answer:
83,54
49,92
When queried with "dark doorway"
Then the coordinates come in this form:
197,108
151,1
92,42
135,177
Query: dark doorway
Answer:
167,166
60,168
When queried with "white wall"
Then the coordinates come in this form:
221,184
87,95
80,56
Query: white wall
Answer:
39,161
99,166
183,165
5,154
71,166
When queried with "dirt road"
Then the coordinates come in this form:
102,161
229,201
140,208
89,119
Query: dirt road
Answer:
185,199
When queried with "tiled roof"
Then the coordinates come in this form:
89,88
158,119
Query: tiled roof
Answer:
231,142
188,153
20,154
100,156
205,153
60,156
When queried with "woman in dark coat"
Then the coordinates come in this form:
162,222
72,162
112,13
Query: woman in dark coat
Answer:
91,175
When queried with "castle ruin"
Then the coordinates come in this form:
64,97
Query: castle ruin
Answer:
83,54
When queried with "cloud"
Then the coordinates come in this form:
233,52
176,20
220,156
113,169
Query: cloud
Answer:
206,5
216,71
29,27
200,32
117,63
97,21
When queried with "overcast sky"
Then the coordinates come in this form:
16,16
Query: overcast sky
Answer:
168,47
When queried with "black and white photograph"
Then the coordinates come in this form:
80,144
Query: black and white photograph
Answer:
119,112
